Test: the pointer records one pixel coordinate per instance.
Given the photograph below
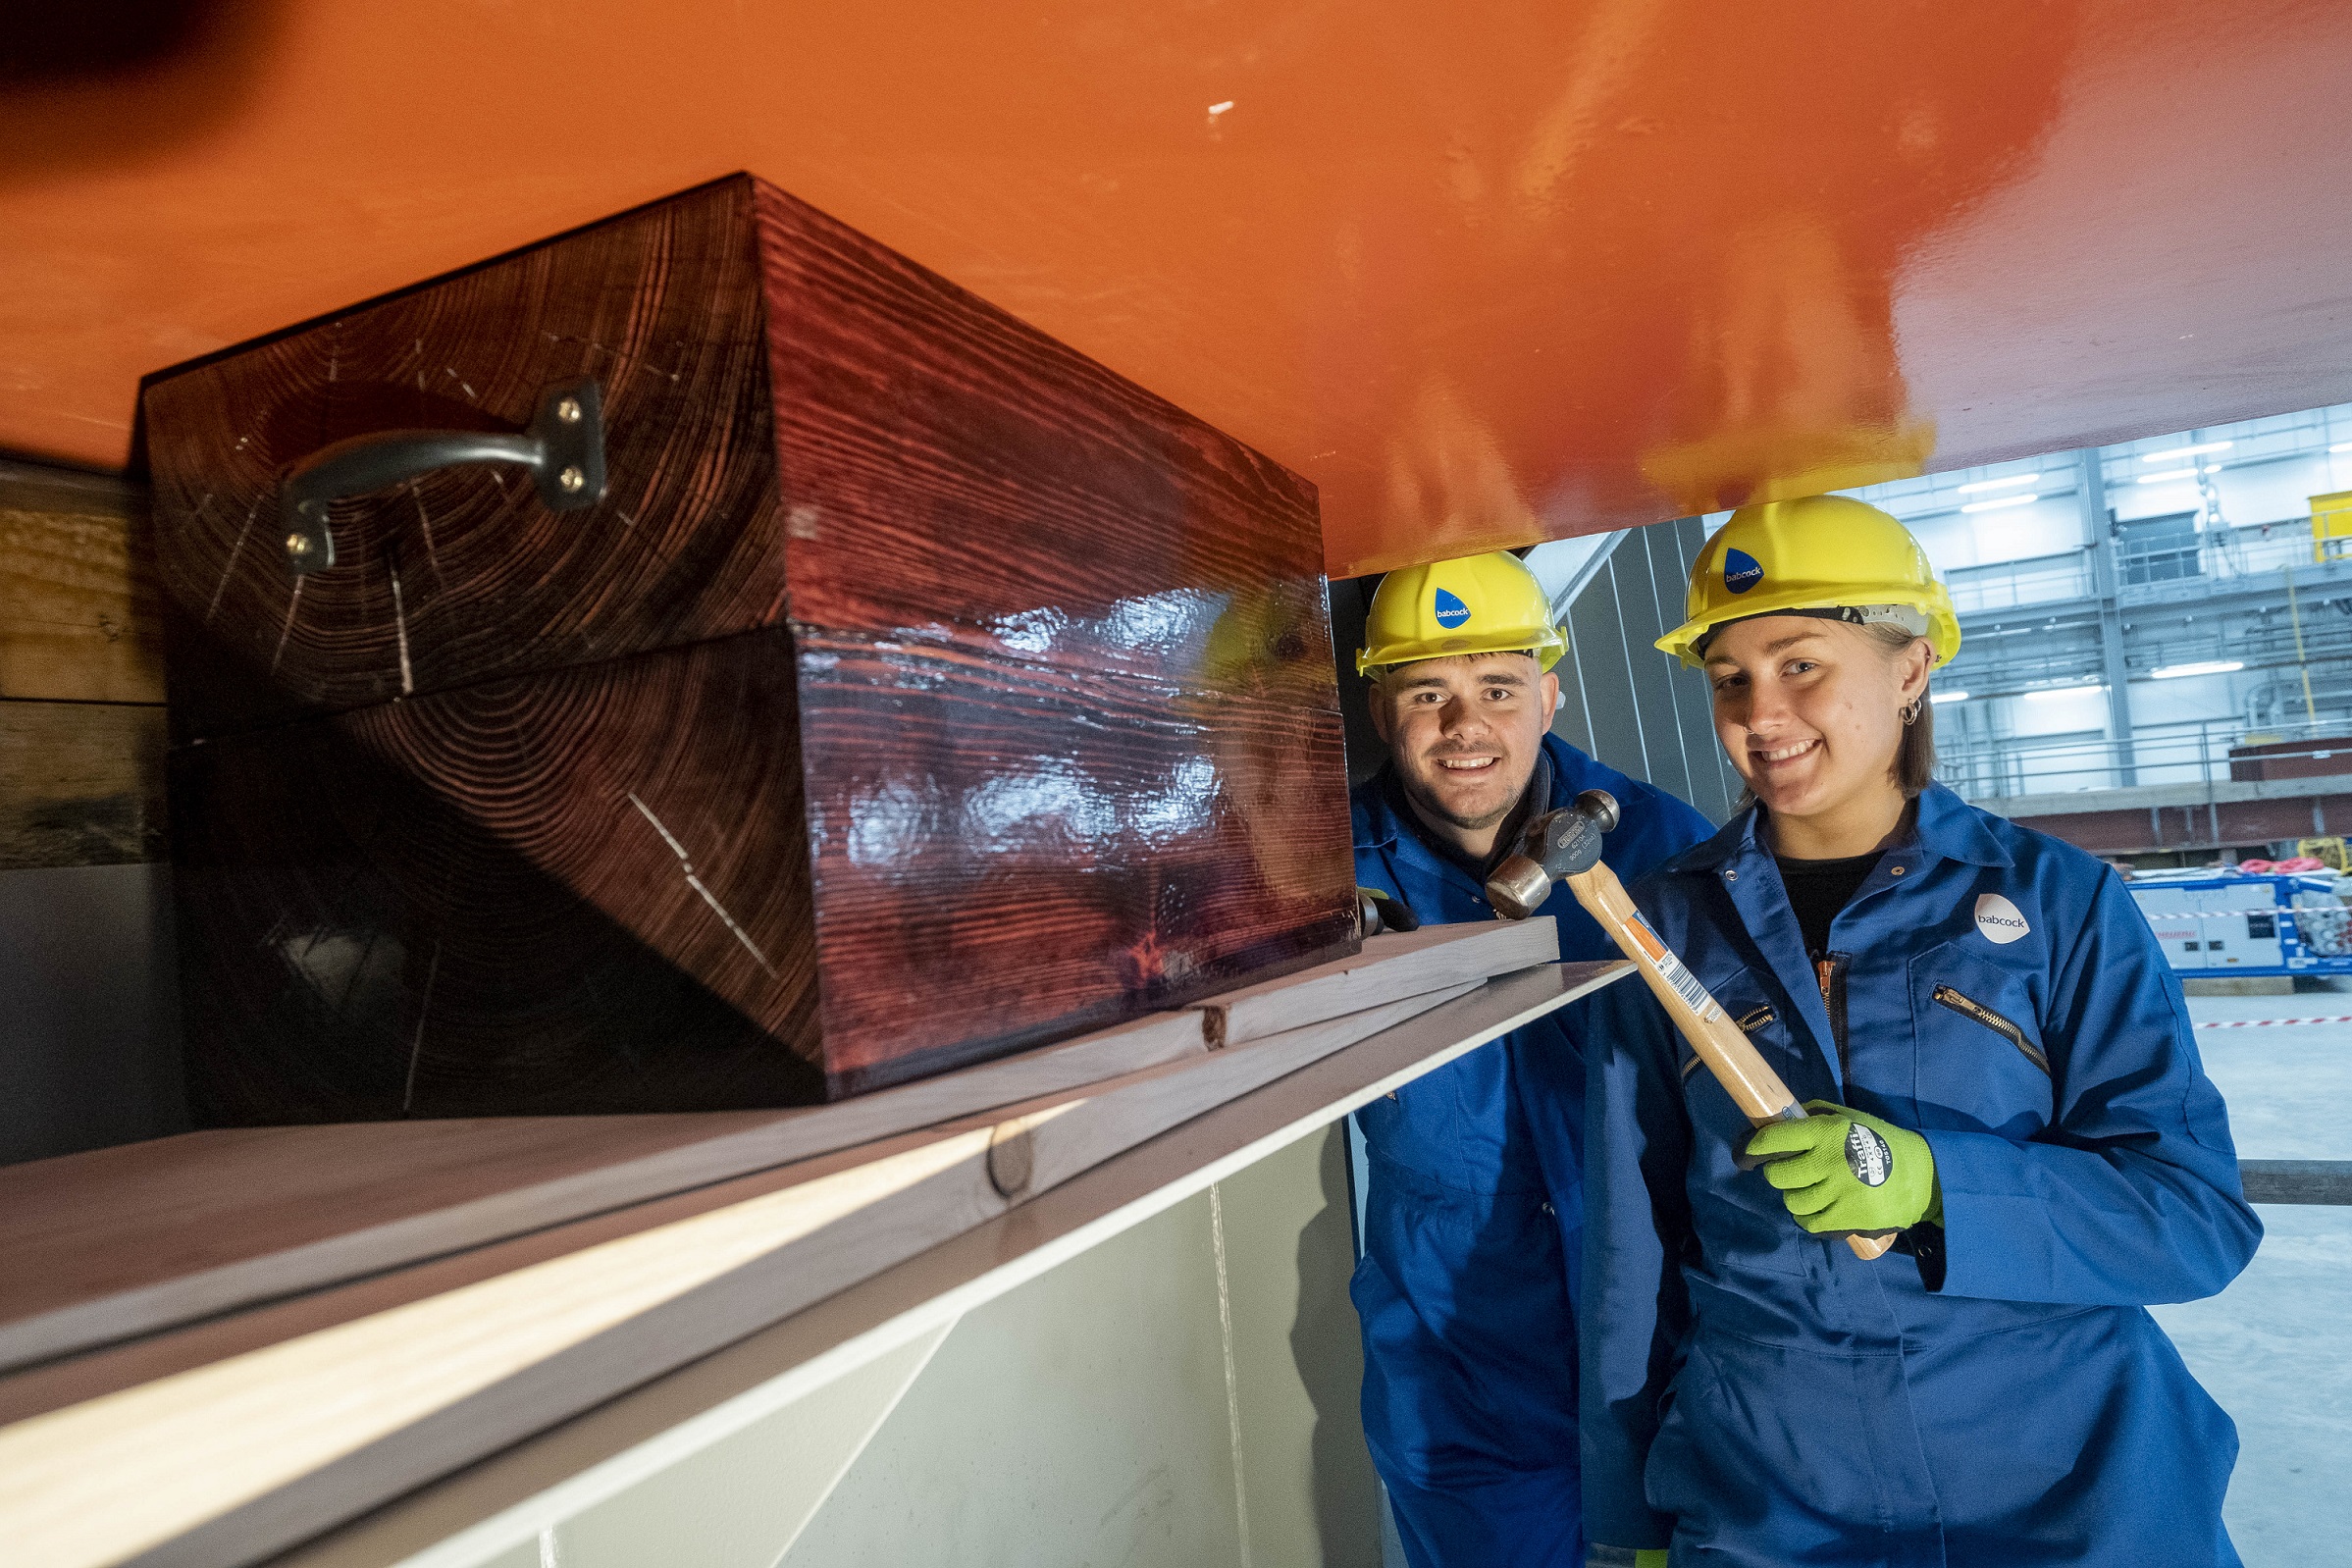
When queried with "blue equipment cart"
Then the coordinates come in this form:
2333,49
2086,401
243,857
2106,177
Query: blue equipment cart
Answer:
2231,922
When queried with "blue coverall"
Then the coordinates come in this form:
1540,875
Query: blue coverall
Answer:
1999,1397
1470,1231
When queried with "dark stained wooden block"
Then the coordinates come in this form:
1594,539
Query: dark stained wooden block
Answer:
920,691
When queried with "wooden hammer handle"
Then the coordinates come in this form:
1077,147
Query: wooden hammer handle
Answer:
1723,1047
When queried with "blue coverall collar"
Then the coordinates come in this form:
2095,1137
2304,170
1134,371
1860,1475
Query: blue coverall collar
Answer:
1944,828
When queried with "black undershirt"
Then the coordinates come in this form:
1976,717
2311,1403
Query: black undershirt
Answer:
1819,889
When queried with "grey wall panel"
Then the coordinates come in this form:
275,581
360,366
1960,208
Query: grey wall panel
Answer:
1648,674
1715,787
1628,704
1351,601
1573,721
1604,680
88,1009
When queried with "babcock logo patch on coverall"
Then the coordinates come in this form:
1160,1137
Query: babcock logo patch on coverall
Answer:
1451,612
1741,571
2001,921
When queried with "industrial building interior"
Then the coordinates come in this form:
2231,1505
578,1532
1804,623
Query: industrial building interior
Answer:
935,685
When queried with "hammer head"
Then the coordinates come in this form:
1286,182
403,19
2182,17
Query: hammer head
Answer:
1557,844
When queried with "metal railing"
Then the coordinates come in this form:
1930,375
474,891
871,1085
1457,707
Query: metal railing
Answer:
2308,1182
2216,554
2191,752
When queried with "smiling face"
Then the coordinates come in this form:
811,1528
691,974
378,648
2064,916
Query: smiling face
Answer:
1810,713
1463,733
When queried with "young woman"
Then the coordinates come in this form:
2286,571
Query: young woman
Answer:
2000,1073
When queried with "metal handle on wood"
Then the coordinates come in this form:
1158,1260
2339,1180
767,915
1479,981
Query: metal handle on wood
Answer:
564,447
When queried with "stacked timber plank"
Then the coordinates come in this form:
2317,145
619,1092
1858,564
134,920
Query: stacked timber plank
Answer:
82,718
913,691
560,1283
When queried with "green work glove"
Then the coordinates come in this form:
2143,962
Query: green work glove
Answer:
1600,1556
1845,1173
1650,1559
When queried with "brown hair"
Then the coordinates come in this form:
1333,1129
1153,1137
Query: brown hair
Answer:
1916,756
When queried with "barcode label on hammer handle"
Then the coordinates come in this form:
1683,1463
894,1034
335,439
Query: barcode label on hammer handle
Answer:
1676,974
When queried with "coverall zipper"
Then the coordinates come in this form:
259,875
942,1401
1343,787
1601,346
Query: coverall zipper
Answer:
1976,1011
1829,969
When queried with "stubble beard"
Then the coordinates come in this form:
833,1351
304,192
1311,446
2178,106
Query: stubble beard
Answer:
1433,807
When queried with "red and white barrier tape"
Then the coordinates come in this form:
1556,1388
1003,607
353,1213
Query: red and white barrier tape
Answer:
2256,1023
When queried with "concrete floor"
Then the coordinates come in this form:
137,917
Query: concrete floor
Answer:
2273,1348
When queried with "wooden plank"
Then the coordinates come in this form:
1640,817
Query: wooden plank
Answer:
384,1383
126,1241
80,619
81,780
130,1240
81,784
503,1502
1075,1137
1405,962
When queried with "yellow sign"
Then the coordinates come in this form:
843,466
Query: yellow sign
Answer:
2331,521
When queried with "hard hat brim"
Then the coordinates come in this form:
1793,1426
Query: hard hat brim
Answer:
1942,625
1547,647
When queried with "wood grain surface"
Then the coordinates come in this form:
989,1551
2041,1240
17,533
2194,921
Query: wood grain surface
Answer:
463,576
121,1242
1052,658
955,474
585,890
82,720
80,619
1004,847
81,784
127,1241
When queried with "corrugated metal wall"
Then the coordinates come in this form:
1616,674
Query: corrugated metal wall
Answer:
1627,704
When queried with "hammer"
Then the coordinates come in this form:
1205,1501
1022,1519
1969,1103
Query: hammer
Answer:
1565,846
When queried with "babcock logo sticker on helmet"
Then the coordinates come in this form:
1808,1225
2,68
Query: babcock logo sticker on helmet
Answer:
1451,612
1741,571
2001,921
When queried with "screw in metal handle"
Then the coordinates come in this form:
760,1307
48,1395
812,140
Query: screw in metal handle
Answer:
565,449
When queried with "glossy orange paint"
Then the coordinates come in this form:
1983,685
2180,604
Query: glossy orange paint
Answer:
1486,273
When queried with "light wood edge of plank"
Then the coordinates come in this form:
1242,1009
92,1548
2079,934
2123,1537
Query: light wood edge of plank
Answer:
362,1383
1482,951
1389,966
77,1379
101,1480
1112,1122
505,1501
477,1222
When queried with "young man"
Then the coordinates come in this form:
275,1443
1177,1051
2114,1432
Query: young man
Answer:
1465,1293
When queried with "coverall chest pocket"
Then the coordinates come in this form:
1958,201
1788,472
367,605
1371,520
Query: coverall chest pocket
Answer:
1709,1102
1982,1061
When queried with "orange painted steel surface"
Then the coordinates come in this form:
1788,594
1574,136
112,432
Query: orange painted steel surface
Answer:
1484,272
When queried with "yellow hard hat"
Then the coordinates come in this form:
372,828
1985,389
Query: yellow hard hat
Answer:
1823,554
1488,603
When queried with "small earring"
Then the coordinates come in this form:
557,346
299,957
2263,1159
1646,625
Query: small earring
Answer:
1911,712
